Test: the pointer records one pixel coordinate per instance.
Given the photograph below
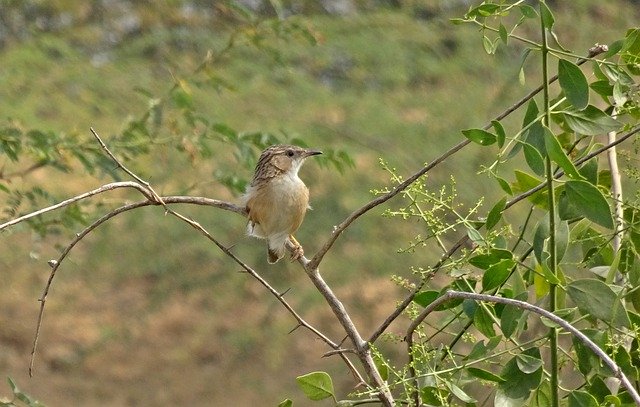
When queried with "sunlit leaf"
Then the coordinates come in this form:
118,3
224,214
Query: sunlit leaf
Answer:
479,136
316,385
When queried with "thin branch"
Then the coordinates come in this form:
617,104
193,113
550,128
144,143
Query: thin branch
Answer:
125,169
66,202
618,373
55,264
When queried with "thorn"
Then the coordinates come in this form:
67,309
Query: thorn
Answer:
294,328
284,292
52,263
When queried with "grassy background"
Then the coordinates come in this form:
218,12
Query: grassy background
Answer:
147,312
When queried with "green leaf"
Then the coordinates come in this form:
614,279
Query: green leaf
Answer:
579,398
316,385
484,322
597,299
573,83
495,214
459,393
484,10
475,236
534,159
542,397
547,16
527,363
557,154
501,135
497,274
504,35
590,201
479,136
528,11
516,390
432,396
589,171
485,375
286,403
525,182
486,260
504,185
424,298
488,45
591,121
511,315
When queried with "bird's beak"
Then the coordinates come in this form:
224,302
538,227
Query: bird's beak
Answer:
310,152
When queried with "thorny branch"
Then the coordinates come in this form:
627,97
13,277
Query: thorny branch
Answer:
155,199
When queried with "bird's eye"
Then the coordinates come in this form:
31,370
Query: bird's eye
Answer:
289,153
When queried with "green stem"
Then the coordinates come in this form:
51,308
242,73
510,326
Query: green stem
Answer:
553,333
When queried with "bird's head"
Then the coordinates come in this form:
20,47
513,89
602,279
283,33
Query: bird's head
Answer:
287,158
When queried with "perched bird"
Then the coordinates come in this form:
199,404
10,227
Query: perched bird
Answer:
277,199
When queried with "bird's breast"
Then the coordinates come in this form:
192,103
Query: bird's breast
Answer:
279,205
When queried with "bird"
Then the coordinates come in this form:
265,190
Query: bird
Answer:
276,200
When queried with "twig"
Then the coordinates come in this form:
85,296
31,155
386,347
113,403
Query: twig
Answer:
125,169
618,373
104,188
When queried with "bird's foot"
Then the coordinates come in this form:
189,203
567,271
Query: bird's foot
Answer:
297,252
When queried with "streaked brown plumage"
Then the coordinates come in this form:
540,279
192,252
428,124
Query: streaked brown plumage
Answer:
277,199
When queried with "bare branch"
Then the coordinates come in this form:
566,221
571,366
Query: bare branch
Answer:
125,169
618,373
104,188
361,347
55,264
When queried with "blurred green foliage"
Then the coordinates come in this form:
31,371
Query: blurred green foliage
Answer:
186,93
